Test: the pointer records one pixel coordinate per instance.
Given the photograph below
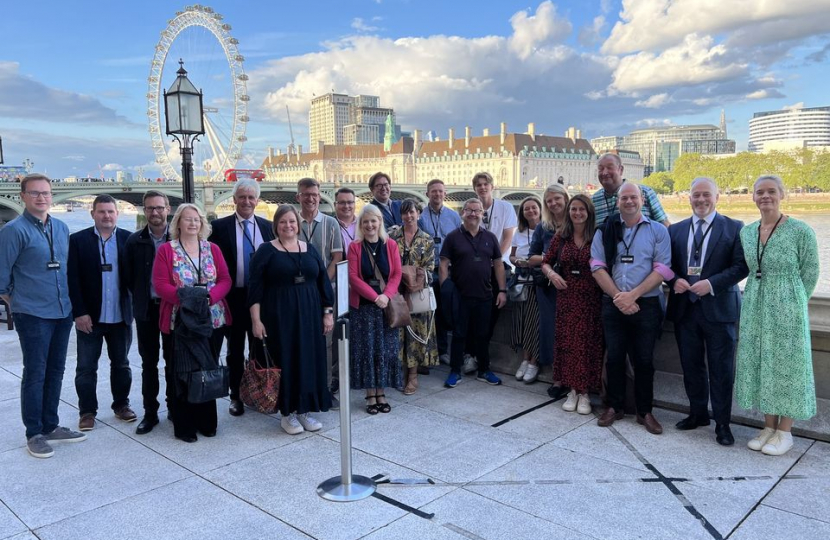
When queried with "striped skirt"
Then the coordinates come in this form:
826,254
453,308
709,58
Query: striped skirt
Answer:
525,331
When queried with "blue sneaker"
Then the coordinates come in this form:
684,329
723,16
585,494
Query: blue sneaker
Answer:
489,378
453,380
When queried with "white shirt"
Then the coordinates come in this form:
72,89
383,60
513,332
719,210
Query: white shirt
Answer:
707,224
256,237
521,241
500,216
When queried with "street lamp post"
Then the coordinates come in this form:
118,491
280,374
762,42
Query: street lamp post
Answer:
28,165
1,150
183,112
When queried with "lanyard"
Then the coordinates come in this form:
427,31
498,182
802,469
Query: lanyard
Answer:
298,261
628,246
469,238
245,233
490,216
313,228
50,238
368,246
407,249
197,268
104,246
609,207
759,253
436,224
344,228
698,248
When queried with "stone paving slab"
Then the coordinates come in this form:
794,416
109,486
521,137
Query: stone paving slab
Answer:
767,523
806,489
9,524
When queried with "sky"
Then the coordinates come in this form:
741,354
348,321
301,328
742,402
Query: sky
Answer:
73,74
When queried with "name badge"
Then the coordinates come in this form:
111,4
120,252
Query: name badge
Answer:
53,265
374,283
694,270
627,259
106,267
575,272
477,259
200,285
436,239
299,279
758,274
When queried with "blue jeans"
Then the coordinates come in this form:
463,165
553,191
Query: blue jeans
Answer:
44,343
119,338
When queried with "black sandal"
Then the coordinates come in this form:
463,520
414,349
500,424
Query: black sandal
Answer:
383,407
372,409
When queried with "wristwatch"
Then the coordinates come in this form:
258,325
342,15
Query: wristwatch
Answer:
328,311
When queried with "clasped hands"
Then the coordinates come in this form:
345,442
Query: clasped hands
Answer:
701,288
626,302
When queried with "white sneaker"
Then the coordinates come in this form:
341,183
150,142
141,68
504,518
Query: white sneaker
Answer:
584,404
779,444
520,373
570,403
470,364
531,373
309,422
444,358
761,439
291,425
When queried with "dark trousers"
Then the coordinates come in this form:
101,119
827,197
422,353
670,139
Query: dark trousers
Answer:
494,315
118,337
441,328
44,343
698,338
471,326
236,333
147,333
634,335
190,418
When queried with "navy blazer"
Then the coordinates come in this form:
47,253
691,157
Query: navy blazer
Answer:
723,265
223,234
84,274
391,215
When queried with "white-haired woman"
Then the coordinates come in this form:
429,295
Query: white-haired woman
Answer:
189,260
775,365
374,344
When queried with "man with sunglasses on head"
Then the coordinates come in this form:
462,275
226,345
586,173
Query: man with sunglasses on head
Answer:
34,249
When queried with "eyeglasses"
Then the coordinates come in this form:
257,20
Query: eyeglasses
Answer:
386,186
38,194
192,220
151,209
473,212
345,203
309,195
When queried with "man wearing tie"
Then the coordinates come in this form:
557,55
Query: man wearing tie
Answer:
704,303
238,236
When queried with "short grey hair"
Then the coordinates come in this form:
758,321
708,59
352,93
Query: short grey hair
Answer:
246,183
639,188
777,179
702,179
471,201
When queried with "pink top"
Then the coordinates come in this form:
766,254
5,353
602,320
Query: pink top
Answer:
358,287
166,287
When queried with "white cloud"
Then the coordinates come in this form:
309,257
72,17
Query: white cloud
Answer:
113,167
590,35
651,122
758,94
360,25
799,105
654,102
533,31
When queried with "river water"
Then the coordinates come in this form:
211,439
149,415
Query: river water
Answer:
820,222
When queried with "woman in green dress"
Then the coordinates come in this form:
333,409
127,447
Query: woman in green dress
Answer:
775,365
417,249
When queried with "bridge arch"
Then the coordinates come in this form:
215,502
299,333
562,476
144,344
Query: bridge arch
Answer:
8,202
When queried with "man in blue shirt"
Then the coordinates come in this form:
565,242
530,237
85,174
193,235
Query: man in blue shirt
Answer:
438,221
630,259
102,310
33,257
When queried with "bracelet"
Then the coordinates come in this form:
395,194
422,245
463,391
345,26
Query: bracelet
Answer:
328,311
503,291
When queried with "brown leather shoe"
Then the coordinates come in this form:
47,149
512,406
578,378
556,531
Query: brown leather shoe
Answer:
651,423
609,417
126,414
87,422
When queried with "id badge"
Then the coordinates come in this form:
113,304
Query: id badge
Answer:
575,272
436,239
628,259
106,267
374,283
53,265
299,280
694,270
758,274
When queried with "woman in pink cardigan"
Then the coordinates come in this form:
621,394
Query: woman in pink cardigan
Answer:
374,345
189,260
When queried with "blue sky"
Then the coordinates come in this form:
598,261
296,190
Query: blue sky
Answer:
73,73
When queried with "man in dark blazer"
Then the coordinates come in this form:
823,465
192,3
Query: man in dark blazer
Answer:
238,236
140,254
381,187
705,303
102,310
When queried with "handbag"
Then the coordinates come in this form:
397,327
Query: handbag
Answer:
413,279
423,301
396,311
542,280
207,384
260,387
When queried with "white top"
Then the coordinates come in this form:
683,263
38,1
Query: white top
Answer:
500,216
521,241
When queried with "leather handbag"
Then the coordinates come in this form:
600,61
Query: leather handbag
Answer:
207,384
542,280
413,279
260,386
423,301
396,311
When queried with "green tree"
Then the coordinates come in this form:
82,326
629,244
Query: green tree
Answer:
661,182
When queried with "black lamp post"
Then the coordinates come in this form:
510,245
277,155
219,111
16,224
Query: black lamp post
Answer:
183,112
1,150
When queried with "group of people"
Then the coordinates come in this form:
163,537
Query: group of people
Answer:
592,270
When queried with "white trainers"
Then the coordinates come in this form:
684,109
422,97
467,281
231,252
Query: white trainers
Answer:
309,423
520,373
583,404
531,373
470,364
761,439
291,425
570,403
444,358
779,444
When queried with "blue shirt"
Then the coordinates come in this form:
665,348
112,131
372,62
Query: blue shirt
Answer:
110,287
649,243
24,253
540,242
439,225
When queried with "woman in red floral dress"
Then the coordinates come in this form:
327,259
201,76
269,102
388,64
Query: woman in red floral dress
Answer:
579,339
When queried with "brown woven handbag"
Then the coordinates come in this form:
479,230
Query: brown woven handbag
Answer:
260,387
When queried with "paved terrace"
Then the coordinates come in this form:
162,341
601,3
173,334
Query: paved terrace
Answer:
506,464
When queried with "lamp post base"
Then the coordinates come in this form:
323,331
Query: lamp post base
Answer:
335,490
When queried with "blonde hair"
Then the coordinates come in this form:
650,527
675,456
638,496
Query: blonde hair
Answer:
204,231
778,183
369,210
547,217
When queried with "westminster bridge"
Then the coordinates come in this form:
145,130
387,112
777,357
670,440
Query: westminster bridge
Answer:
210,195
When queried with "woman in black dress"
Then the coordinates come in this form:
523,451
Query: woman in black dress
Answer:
291,301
